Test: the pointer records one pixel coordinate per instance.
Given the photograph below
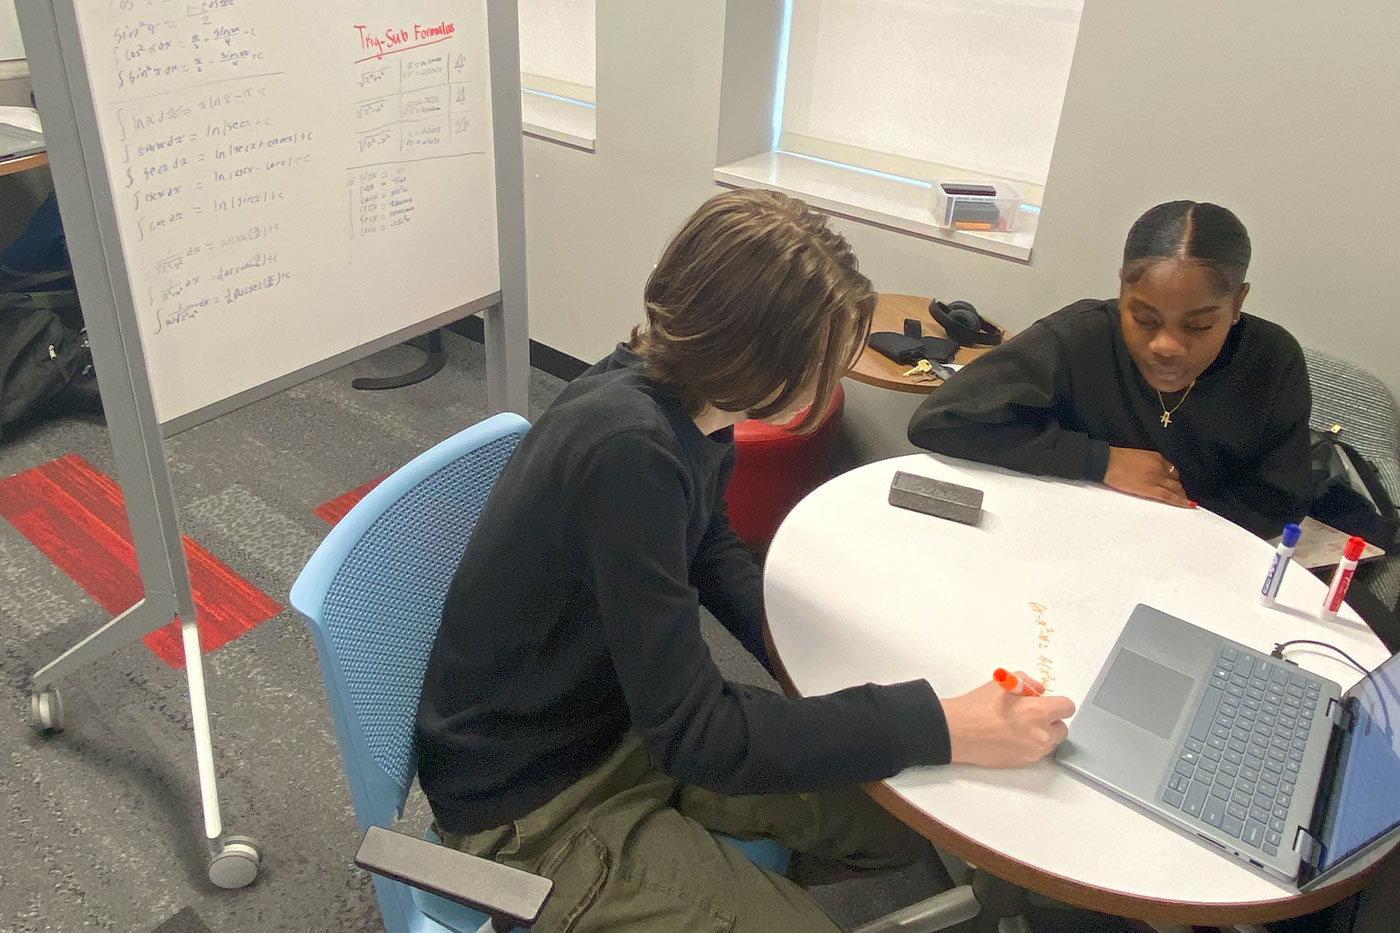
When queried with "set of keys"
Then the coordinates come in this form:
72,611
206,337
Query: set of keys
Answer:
927,369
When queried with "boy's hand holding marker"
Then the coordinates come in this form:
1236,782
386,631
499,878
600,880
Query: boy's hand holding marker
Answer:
1007,722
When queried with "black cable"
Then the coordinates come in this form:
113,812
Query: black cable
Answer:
1380,700
1278,651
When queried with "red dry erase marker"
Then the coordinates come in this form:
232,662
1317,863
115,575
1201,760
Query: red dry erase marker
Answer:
1342,578
1013,684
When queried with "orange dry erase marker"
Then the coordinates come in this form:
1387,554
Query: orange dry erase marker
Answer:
1013,684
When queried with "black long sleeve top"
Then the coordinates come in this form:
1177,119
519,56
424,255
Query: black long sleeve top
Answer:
1054,399
574,617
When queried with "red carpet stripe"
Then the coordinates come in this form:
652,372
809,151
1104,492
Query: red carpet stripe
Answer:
76,516
334,510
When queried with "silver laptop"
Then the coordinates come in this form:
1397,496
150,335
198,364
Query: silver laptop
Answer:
16,141
1252,756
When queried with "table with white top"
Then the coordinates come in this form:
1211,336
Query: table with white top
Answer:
858,591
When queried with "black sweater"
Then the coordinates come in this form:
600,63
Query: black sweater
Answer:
1053,399
574,617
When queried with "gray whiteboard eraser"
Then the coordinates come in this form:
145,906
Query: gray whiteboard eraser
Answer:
937,498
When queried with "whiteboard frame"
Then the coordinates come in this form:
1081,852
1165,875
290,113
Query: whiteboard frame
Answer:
261,391
79,166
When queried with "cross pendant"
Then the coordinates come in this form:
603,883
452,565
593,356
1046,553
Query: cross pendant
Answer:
1166,419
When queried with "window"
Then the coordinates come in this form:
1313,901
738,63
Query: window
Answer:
905,86
557,70
11,48
557,47
873,99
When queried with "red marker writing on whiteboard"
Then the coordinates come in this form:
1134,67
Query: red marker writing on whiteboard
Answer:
1013,684
1342,578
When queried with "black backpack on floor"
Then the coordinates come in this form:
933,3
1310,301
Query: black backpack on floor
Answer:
43,348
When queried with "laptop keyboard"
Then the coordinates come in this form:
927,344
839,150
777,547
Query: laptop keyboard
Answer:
1239,764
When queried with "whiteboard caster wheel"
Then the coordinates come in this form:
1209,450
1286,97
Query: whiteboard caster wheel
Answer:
236,865
46,707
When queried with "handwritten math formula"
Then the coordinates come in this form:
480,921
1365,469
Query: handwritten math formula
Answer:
420,103
203,164
268,175
419,98
380,199
232,130
161,43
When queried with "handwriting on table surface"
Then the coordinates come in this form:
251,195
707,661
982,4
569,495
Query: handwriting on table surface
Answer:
1044,663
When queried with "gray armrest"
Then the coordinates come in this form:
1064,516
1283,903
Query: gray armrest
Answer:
940,912
501,892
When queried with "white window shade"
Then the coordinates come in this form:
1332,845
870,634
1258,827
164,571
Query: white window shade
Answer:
11,47
557,47
913,86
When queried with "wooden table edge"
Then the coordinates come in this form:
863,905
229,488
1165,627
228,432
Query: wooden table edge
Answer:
1103,900
23,163
914,388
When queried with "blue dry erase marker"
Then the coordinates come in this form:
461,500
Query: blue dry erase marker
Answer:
1274,580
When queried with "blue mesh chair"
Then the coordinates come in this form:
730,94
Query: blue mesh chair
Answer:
373,594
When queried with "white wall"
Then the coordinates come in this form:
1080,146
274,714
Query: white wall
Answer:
1246,103
595,222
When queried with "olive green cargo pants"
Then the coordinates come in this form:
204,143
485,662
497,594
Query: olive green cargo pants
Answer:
630,849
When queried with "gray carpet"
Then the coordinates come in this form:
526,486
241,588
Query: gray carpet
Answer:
101,827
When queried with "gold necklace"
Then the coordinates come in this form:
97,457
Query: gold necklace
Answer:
1166,414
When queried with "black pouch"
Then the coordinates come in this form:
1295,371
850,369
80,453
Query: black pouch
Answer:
940,349
901,349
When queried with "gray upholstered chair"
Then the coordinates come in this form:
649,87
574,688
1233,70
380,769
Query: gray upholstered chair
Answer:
1346,394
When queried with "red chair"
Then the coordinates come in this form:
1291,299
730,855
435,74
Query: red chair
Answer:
775,468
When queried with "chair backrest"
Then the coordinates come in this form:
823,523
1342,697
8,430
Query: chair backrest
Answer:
373,594
1346,394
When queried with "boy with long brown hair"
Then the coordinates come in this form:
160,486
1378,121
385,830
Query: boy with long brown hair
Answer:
573,722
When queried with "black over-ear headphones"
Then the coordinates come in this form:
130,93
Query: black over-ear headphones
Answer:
960,321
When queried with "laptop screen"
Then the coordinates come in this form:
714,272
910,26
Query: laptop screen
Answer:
1366,801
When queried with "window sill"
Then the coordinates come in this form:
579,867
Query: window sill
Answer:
559,120
886,201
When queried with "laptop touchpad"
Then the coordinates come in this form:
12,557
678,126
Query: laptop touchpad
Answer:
1145,693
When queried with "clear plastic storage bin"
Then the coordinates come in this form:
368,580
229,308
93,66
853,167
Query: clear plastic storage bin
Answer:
989,206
